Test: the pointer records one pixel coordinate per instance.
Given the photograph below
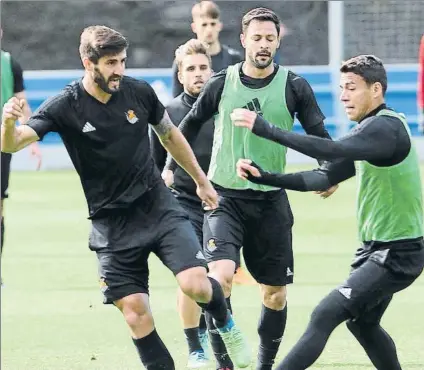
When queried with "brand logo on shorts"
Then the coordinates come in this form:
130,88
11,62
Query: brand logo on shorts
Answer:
346,292
131,117
200,256
289,272
211,245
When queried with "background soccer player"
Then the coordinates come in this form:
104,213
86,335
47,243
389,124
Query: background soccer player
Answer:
207,25
256,217
12,84
389,211
103,121
194,70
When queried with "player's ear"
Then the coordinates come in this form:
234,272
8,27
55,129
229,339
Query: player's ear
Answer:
377,89
220,26
88,65
193,27
243,40
180,77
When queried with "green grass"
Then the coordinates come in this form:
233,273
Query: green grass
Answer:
52,312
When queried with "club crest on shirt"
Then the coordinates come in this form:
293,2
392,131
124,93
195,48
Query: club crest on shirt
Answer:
131,117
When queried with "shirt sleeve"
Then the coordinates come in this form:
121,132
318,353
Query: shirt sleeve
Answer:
373,139
307,109
157,109
177,88
47,117
18,78
205,107
320,179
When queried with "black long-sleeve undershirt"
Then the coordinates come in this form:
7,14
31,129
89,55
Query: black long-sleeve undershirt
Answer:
381,140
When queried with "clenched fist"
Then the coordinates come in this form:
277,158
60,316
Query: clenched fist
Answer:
12,111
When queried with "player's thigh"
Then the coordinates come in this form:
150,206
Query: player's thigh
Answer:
6,159
123,273
267,246
371,284
178,246
223,231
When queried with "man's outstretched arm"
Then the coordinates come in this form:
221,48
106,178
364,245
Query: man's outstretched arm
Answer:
322,178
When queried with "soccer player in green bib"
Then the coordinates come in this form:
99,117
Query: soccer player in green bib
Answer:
379,150
257,217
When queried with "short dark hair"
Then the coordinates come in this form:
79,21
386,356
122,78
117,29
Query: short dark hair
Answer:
369,67
205,9
98,41
260,14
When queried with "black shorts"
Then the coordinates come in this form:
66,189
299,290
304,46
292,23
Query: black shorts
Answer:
262,226
124,239
6,158
379,273
195,212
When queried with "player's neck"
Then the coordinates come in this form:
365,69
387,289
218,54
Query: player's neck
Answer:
251,71
214,48
91,87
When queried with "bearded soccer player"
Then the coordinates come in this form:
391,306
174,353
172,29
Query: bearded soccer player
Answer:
103,120
257,217
381,153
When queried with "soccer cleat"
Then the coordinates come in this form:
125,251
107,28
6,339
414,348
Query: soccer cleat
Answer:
204,342
197,360
236,344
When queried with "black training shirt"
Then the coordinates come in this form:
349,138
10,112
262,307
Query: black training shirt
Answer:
108,143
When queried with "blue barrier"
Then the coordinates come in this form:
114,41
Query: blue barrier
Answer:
401,94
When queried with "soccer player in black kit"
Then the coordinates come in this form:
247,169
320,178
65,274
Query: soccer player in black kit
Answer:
103,121
258,219
207,25
194,70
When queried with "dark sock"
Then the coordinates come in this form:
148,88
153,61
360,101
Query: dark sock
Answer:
153,353
217,306
218,346
2,234
377,343
329,314
271,330
202,322
193,341
228,301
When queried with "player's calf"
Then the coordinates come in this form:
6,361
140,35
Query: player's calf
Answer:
209,295
272,324
151,350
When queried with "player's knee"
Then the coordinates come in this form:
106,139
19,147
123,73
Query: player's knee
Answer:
328,308
136,312
223,272
274,297
195,284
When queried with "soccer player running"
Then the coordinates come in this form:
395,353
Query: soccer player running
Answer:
103,121
256,217
380,151
194,70
12,85
207,25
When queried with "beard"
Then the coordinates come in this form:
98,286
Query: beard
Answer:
103,84
261,64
